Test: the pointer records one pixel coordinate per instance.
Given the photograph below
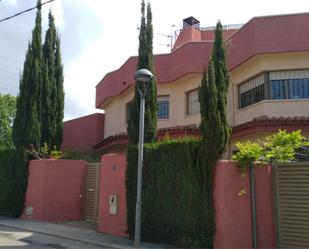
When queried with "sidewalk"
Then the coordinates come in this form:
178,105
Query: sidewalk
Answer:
77,234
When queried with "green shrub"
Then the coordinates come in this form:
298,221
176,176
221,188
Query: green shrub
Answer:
13,182
90,157
174,210
279,148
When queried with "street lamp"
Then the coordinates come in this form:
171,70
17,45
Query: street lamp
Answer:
142,76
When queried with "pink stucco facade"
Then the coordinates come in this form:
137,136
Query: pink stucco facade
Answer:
233,211
82,133
112,182
56,191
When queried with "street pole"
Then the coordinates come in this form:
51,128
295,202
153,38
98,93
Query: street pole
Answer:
137,239
142,76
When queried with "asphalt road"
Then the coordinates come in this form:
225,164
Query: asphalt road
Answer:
12,238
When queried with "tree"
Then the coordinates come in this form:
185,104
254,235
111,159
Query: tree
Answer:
7,114
59,104
145,60
52,88
214,128
48,72
26,127
213,100
222,83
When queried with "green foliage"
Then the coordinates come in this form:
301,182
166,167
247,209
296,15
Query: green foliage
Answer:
13,182
214,127
44,152
87,156
26,128
59,104
52,88
145,60
222,83
40,102
7,114
173,210
249,152
279,147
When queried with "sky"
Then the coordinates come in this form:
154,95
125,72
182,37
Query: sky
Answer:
98,36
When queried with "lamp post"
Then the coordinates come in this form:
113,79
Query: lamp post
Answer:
142,76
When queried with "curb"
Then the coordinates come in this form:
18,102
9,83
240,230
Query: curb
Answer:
114,245
87,241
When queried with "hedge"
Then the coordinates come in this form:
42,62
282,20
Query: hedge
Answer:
13,182
174,203
90,157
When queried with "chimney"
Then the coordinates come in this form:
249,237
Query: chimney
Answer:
191,22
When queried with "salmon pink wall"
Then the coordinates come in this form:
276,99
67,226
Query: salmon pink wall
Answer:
56,190
112,182
82,133
233,211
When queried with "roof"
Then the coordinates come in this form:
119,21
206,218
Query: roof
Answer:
122,138
271,124
261,35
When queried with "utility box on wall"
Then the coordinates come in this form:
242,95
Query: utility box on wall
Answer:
113,204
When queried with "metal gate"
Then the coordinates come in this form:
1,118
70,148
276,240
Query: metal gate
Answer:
291,183
93,191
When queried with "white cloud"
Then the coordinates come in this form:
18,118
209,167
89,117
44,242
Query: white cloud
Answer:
58,11
98,36
12,2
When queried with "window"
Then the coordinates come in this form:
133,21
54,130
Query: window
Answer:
252,91
289,84
163,107
127,112
293,84
193,105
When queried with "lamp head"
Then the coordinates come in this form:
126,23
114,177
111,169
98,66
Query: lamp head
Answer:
143,75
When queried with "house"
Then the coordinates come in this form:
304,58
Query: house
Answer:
268,62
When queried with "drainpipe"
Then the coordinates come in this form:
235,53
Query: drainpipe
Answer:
253,206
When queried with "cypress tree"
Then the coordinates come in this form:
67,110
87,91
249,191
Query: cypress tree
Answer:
59,94
214,128
210,118
52,88
145,60
48,83
27,122
26,128
222,83
151,91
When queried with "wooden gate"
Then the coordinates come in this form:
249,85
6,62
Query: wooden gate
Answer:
291,182
93,191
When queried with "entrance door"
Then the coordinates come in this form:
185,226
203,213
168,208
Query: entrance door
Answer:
292,204
93,191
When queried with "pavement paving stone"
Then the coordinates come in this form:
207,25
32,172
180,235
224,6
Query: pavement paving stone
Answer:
78,234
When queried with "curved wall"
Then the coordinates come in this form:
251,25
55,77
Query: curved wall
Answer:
271,108
115,108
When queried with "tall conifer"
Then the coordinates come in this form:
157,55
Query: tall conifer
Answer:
52,85
214,127
48,82
145,60
26,128
59,113
222,82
